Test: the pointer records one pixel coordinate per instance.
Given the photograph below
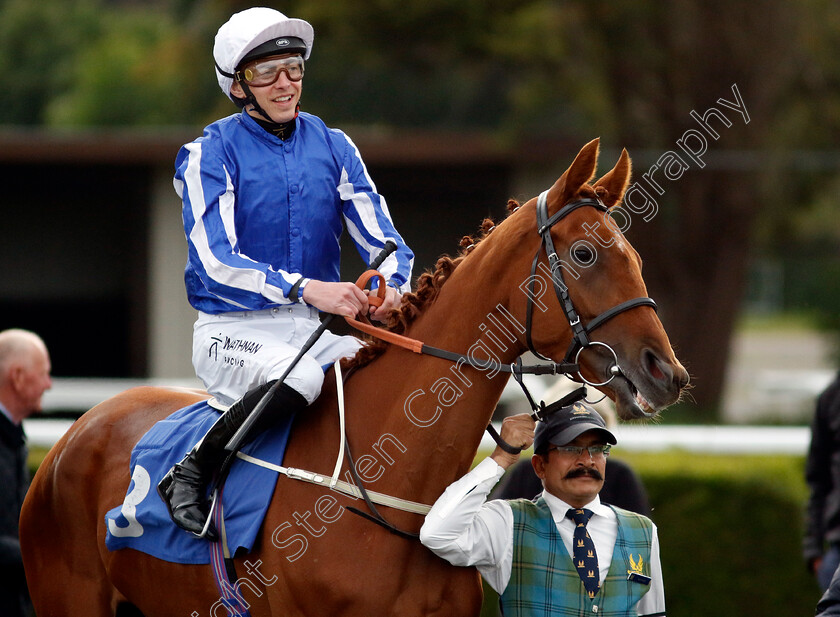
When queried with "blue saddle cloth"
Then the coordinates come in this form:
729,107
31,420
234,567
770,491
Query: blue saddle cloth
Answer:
142,522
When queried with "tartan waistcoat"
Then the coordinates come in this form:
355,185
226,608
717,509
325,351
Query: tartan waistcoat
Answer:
545,582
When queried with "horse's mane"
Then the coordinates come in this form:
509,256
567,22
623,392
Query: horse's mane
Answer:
425,292
429,283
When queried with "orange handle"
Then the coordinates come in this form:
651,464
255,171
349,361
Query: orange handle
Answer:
365,326
363,281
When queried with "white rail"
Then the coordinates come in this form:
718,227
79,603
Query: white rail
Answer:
82,394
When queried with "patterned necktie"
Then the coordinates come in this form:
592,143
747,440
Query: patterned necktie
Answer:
586,561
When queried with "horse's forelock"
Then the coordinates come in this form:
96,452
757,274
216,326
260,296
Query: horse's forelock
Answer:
588,191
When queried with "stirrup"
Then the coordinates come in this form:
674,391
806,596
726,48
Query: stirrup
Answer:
209,532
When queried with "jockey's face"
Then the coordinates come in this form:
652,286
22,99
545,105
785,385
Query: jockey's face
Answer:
280,98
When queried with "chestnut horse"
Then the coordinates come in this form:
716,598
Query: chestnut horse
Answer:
414,423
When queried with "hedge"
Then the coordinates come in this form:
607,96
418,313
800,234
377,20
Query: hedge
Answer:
730,530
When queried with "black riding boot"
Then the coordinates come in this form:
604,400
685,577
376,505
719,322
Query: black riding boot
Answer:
183,488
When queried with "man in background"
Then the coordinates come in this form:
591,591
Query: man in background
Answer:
821,543
24,377
564,553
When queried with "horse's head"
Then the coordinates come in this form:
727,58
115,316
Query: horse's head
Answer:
619,342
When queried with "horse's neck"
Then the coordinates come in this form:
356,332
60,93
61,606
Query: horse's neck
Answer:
434,411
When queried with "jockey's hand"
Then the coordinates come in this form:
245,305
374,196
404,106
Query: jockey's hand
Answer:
344,299
392,300
518,431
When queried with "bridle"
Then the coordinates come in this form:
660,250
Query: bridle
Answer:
580,332
581,339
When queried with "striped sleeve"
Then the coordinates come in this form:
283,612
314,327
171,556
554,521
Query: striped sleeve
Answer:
368,220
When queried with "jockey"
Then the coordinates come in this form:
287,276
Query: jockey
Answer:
266,194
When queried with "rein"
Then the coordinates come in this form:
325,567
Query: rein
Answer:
364,325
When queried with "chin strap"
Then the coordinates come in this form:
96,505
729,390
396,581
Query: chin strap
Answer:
250,99
283,130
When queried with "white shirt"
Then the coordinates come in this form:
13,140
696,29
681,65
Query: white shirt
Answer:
467,530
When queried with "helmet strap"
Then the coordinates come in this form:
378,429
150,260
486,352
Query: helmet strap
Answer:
252,100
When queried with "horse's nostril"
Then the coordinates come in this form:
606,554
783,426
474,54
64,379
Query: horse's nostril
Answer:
664,371
653,365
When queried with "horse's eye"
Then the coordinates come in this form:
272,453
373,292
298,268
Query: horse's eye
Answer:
583,255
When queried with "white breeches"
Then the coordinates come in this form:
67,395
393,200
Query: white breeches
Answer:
234,352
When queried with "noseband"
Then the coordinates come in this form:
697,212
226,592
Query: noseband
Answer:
580,332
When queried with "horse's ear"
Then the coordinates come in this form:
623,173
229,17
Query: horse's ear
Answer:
579,173
615,181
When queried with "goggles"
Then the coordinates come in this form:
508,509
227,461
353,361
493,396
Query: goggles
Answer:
266,71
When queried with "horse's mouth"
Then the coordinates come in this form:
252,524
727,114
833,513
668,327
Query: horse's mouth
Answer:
630,404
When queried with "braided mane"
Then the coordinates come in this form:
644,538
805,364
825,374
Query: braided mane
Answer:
426,290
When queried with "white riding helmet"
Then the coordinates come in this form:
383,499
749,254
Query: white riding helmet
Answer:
249,29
